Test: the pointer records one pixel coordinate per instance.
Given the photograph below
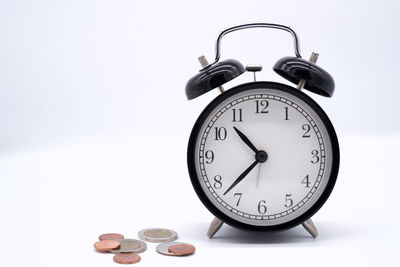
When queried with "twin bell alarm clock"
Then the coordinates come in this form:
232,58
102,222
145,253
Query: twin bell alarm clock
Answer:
263,156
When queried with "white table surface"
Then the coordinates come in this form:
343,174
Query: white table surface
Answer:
55,200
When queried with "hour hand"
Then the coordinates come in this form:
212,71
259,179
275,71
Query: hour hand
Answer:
246,140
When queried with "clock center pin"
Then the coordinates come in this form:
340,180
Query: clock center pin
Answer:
261,156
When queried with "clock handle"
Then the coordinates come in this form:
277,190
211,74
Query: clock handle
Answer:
255,25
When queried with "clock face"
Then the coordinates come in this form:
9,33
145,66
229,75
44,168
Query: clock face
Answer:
263,156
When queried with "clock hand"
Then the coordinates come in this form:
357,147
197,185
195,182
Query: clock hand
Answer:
241,177
245,139
258,175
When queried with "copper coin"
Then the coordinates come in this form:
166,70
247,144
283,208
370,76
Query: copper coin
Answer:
163,248
127,258
110,236
106,245
181,249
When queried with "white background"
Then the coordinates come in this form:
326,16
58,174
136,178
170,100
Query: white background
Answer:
94,126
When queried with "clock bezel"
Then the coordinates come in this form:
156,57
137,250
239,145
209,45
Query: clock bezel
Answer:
191,155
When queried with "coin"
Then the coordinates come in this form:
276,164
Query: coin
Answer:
106,245
164,248
181,249
127,258
158,235
130,245
111,236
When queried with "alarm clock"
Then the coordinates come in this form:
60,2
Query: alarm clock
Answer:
263,156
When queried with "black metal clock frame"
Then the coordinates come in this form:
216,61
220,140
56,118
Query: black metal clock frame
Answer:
191,156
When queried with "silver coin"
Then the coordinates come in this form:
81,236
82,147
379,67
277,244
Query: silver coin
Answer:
163,248
130,245
158,235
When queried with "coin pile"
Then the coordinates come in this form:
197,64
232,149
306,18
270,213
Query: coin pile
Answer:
127,250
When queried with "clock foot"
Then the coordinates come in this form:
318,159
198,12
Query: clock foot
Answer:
310,227
214,227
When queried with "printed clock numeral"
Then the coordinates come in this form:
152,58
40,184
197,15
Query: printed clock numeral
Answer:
306,181
220,133
209,156
306,128
217,181
262,208
239,198
261,106
289,201
315,157
237,115
286,113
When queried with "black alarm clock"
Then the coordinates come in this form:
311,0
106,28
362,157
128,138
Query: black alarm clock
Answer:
263,156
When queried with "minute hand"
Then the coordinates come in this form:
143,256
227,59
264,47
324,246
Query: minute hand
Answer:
245,139
240,178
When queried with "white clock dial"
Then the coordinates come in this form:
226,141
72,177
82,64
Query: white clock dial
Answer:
294,171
